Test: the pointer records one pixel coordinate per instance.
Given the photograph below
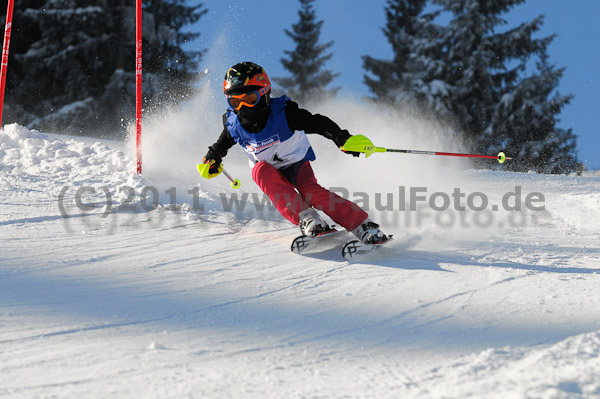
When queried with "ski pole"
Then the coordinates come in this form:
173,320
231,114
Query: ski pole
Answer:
235,183
501,157
204,170
360,143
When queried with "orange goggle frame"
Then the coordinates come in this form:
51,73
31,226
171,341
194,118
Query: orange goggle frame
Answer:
250,99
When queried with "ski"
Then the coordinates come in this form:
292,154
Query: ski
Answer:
356,248
305,243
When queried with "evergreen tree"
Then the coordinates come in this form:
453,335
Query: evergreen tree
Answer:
526,120
72,67
473,74
495,103
407,30
305,63
172,69
476,63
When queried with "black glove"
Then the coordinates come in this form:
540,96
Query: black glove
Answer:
341,138
212,155
353,153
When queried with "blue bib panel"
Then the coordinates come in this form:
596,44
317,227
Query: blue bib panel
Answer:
276,144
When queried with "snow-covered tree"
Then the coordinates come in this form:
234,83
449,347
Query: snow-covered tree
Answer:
472,72
410,33
496,103
526,123
308,80
171,69
72,65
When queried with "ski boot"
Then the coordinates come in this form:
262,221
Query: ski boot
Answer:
311,223
369,237
369,233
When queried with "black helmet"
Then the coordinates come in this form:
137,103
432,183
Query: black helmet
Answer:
245,77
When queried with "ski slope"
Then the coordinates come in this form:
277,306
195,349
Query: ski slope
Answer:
187,299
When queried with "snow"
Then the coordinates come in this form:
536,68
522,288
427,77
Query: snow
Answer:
124,299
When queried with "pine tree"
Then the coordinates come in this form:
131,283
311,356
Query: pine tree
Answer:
473,74
72,69
526,123
474,67
495,103
305,63
407,28
171,70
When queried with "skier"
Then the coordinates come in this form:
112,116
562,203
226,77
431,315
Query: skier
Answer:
273,133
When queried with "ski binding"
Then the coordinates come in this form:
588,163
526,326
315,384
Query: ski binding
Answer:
305,243
357,248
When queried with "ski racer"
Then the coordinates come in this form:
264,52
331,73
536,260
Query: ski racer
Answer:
273,131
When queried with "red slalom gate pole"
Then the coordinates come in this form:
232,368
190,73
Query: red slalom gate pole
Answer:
4,66
138,86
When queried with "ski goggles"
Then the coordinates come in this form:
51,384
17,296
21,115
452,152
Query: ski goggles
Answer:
250,99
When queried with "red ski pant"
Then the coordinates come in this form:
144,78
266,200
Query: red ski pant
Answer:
291,199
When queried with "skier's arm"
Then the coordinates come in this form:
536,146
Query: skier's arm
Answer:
219,149
301,119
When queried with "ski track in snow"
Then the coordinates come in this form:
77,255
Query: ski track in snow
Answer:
179,302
